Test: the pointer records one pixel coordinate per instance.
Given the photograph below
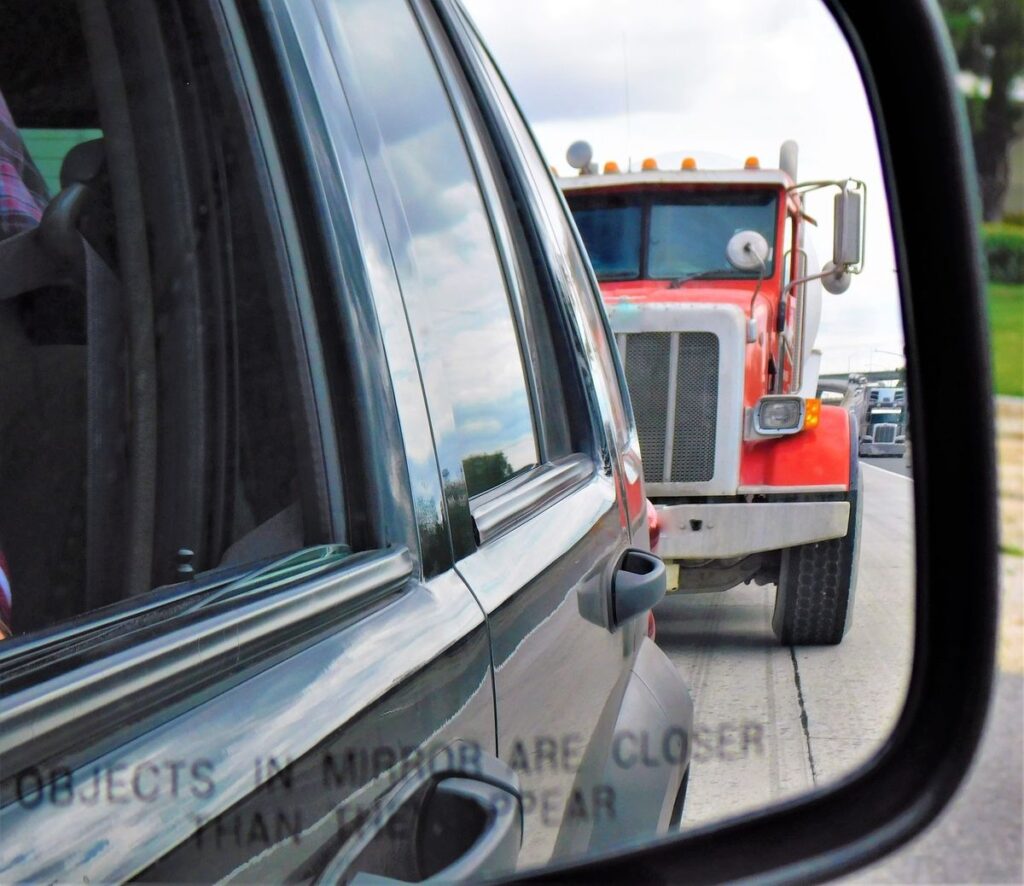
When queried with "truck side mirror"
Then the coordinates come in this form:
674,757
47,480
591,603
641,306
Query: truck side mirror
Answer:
848,243
748,251
848,239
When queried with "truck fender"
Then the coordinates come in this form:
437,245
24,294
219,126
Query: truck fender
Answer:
814,457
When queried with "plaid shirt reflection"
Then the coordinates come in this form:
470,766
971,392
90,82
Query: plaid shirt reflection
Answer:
22,199
22,189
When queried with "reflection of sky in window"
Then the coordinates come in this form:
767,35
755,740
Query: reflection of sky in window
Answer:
456,298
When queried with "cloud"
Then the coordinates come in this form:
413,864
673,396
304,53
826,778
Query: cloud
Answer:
722,80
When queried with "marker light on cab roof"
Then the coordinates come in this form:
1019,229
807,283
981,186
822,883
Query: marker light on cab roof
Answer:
688,163
649,164
752,163
611,167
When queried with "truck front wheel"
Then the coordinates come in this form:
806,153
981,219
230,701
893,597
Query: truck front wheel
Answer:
814,601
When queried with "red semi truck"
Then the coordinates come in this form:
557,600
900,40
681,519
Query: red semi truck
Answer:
710,284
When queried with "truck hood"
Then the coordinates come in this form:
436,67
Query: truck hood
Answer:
696,292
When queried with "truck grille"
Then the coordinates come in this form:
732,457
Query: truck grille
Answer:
884,433
673,378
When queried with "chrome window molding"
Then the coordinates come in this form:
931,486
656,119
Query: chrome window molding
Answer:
64,714
339,677
496,512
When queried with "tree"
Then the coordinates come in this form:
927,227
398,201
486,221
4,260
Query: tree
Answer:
988,36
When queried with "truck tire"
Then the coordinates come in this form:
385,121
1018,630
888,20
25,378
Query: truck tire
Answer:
814,602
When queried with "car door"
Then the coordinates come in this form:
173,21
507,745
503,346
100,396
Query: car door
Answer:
314,663
520,409
628,780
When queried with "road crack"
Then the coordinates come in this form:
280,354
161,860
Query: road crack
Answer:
803,715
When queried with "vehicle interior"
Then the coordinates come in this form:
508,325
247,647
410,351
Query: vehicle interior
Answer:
150,398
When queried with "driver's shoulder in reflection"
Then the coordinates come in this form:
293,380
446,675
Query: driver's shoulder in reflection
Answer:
23,196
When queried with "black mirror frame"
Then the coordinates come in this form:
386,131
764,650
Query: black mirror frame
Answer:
923,139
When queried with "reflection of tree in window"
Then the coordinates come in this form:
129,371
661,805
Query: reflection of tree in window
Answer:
484,472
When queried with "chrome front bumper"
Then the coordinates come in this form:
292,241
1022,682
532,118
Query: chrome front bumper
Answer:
879,449
705,531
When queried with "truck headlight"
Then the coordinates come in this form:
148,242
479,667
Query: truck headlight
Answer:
779,415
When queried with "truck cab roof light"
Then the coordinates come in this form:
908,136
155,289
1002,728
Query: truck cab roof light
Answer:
752,163
649,164
688,163
611,167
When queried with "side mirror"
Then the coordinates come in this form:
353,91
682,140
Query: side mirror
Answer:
848,238
747,251
848,243
835,279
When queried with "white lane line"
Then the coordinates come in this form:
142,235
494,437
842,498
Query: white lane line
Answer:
887,473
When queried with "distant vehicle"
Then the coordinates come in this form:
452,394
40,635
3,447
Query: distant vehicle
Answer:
712,291
881,414
883,423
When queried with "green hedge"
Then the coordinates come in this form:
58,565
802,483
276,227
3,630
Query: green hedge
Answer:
1004,252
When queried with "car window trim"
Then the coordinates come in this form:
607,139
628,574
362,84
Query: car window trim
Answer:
204,653
497,511
333,493
87,628
345,674
377,492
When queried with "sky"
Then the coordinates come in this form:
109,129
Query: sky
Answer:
718,81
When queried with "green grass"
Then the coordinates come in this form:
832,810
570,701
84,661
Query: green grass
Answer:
1006,319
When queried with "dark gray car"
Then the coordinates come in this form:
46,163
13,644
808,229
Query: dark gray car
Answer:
322,505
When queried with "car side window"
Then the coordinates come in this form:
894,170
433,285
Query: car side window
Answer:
469,352
568,252
153,421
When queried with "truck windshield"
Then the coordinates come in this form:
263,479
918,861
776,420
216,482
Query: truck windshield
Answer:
670,236
612,238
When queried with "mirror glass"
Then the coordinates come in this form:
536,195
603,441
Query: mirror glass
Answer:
365,511
704,120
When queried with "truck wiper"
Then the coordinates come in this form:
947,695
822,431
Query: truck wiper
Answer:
679,281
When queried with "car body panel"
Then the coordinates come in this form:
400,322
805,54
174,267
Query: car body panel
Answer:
263,769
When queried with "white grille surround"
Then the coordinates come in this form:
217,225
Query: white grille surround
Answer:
684,367
884,432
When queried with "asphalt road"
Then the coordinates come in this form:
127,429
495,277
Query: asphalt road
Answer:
893,465
773,723
978,837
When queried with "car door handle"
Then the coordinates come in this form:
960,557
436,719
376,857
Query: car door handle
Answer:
484,818
447,822
639,583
